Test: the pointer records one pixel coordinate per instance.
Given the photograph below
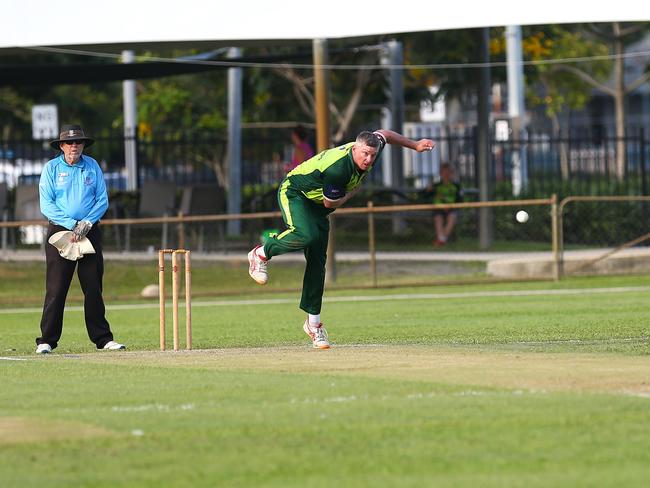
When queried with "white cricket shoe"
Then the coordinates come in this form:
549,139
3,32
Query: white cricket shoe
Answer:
43,349
318,335
113,346
257,267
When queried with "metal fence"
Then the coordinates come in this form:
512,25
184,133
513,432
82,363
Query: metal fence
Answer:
393,245
566,166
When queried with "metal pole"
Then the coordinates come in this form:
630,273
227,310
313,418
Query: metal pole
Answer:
165,233
483,143
393,56
130,126
395,59
644,182
234,142
560,240
516,106
321,89
555,235
386,162
181,231
4,234
372,244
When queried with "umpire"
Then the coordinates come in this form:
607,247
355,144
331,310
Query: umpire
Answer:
73,197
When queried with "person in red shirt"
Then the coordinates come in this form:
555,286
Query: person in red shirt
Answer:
302,150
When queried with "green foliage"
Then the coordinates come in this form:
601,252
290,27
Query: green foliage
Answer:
443,47
182,104
561,89
15,114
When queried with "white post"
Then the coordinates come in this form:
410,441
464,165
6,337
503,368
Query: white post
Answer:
234,142
392,55
130,127
386,161
516,107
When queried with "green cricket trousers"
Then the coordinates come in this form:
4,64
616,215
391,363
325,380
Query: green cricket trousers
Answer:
307,229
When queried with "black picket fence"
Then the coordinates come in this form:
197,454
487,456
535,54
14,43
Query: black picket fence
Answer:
575,166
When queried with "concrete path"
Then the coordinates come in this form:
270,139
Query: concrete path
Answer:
639,252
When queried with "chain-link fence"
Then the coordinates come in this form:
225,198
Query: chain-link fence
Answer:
604,235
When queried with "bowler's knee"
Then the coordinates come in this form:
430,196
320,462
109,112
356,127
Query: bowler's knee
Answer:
311,240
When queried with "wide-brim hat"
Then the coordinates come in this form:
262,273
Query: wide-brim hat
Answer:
72,133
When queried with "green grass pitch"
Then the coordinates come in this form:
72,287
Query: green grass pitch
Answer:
533,384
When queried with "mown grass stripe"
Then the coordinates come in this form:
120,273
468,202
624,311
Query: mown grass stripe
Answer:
365,298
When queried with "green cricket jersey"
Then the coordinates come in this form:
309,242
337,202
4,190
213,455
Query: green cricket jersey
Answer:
447,193
330,174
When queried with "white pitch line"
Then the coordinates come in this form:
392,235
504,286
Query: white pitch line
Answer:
12,359
583,342
366,298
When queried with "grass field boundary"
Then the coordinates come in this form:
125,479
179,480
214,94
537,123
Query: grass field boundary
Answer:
366,298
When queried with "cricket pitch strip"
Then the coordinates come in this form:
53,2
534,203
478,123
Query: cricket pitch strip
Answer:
552,372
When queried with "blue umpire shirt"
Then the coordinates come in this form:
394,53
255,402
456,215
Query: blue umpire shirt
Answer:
73,192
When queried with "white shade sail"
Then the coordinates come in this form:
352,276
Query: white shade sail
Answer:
120,22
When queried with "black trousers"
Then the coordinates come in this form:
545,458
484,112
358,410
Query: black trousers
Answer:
60,271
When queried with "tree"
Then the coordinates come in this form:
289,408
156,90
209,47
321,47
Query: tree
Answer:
556,89
452,51
616,36
349,87
14,114
181,110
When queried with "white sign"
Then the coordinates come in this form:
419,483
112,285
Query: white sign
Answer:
501,130
45,122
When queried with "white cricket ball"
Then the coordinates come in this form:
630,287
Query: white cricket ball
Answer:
521,216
